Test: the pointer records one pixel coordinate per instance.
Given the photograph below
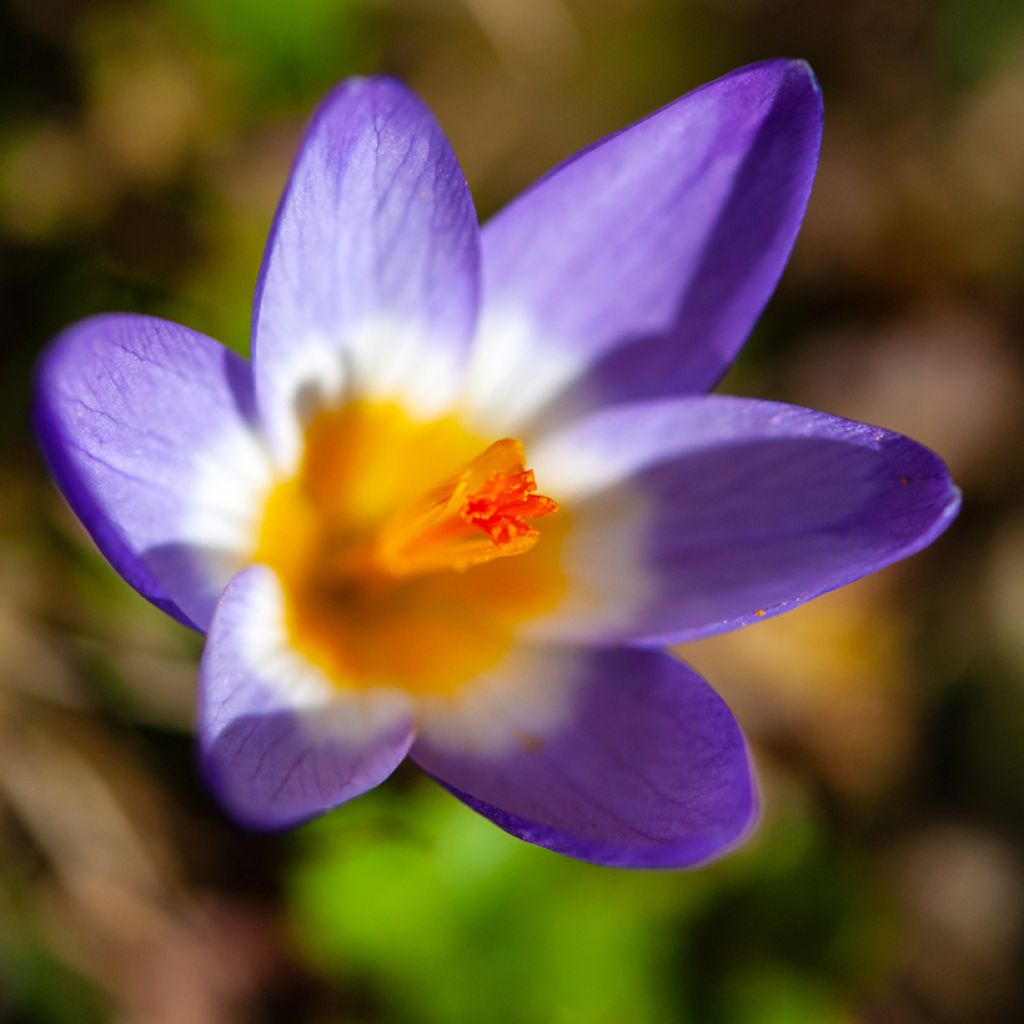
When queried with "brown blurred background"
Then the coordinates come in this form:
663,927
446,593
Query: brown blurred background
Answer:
143,144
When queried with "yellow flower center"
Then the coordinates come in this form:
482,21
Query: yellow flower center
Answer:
392,545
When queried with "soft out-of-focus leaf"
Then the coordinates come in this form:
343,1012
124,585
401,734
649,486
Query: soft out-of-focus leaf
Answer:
477,912
973,34
285,48
437,912
35,986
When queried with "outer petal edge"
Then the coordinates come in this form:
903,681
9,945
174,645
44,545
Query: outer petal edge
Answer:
146,426
648,770
740,509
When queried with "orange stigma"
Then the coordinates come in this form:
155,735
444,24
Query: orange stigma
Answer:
503,505
481,513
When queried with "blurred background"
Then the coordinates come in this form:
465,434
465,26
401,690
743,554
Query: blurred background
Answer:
143,145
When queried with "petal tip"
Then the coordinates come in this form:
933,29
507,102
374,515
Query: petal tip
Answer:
793,82
804,69
947,513
795,70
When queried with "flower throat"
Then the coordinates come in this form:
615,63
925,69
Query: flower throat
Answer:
392,547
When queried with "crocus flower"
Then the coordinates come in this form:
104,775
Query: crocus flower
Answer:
470,484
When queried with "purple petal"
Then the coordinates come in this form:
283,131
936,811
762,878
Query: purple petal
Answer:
742,509
280,744
147,427
641,264
371,273
650,769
